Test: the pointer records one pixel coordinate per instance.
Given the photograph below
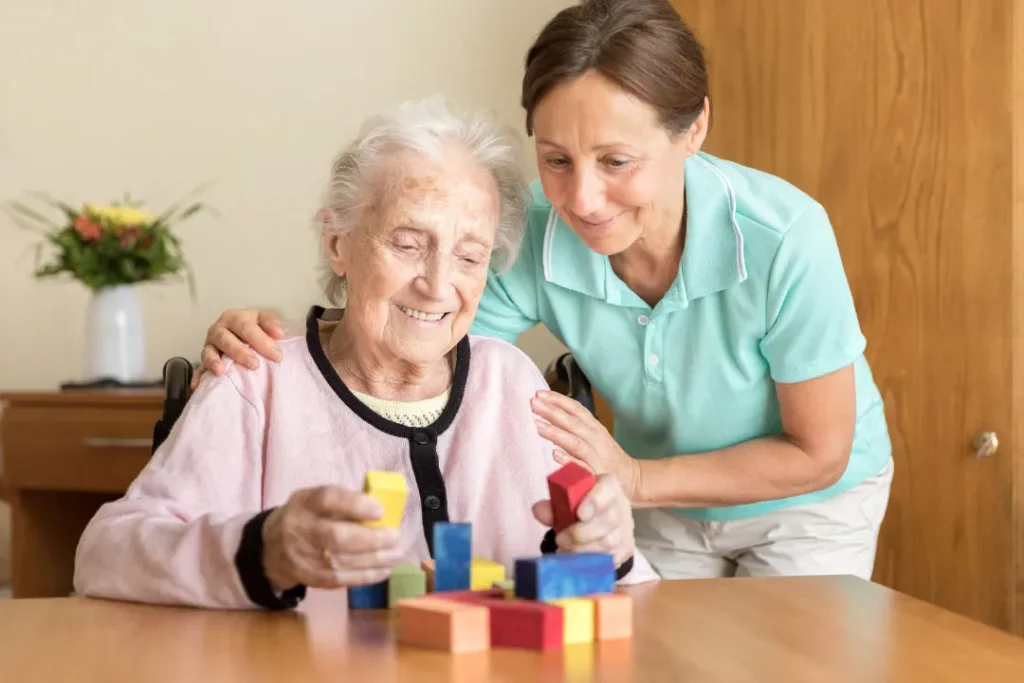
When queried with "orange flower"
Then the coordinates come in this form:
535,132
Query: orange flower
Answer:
88,230
129,235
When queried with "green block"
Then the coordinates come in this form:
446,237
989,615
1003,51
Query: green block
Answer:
406,581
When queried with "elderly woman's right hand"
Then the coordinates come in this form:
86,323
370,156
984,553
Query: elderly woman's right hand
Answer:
318,539
232,335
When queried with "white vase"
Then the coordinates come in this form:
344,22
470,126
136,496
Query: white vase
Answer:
115,338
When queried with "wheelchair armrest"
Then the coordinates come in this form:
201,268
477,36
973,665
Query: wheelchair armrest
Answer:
565,376
177,387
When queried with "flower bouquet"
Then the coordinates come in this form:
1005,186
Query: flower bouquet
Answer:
109,248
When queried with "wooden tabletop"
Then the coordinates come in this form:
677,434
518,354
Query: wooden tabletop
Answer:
736,630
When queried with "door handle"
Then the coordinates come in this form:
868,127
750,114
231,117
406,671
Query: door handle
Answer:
985,444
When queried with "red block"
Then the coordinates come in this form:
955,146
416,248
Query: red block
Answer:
567,488
525,624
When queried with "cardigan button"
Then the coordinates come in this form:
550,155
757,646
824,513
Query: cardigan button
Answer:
431,502
421,438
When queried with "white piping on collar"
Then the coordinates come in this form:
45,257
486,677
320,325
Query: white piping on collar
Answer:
549,238
740,261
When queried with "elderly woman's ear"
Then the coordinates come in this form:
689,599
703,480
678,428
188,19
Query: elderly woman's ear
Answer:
334,242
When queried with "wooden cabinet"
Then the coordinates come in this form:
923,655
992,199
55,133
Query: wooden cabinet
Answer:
904,118
64,455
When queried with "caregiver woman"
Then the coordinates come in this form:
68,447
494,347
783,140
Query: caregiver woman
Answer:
706,302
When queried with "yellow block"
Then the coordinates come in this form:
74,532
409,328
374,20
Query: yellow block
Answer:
483,573
578,618
390,490
508,586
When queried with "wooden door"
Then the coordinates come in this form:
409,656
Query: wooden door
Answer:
899,116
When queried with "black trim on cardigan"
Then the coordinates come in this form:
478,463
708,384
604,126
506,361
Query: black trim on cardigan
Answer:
249,563
422,441
548,546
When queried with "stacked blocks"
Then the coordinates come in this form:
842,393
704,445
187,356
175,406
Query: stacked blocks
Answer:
459,603
567,487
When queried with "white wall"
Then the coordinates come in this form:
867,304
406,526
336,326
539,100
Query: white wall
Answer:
107,96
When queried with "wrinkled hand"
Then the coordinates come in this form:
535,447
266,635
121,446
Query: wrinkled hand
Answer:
232,335
605,521
317,539
582,438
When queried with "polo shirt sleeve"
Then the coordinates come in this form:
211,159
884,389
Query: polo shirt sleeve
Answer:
509,306
811,321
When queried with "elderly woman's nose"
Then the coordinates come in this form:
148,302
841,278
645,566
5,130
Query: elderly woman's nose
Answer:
436,276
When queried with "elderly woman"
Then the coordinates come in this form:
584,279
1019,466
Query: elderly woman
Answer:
256,494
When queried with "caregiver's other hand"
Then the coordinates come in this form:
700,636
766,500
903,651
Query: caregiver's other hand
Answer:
232,335
318,539
582,438
605,521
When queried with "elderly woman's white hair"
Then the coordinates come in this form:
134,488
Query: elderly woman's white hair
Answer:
425,126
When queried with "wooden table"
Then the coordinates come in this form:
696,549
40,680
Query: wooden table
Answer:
736,630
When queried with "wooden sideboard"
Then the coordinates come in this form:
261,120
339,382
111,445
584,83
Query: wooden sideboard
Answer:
64,455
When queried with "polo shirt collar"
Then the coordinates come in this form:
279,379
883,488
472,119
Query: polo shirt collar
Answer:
712,257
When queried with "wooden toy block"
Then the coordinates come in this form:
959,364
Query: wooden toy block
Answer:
567,487
428,568
370,596
564,575
508,587
406,581
452,556
390,490
526,624
578,618
613,616
447,625
483,573
472,596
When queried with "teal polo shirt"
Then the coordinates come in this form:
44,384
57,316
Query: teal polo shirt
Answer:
761,297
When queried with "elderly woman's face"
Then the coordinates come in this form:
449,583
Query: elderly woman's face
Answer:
417,263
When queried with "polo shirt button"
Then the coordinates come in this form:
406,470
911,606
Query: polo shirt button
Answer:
643,319
431,502
653,359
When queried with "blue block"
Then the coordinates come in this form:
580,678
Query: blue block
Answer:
564,575
371,596
452,556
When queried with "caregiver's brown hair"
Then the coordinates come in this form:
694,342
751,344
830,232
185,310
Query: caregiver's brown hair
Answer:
640,45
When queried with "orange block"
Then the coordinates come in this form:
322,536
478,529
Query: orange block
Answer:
428,568
455,627
613,616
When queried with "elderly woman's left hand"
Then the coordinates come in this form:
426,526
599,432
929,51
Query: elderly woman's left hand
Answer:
605,521
581,437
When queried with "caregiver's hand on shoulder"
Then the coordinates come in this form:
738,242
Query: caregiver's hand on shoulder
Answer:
605,521
232,335
581,437
318,539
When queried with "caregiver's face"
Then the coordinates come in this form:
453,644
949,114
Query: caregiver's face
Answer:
606,163
417,263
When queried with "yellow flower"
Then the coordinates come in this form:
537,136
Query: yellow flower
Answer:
119,216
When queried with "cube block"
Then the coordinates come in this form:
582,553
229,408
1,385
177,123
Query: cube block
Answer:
452,556
370,596
390,490
579,619
613,616
484,573
508,587
473,596
564,575
526,624
567,487
451,626
406,581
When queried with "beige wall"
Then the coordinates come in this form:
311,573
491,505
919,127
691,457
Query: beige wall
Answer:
107,96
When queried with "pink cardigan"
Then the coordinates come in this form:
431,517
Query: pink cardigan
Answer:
248,439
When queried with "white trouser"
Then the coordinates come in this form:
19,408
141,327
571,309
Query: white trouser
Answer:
836,536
